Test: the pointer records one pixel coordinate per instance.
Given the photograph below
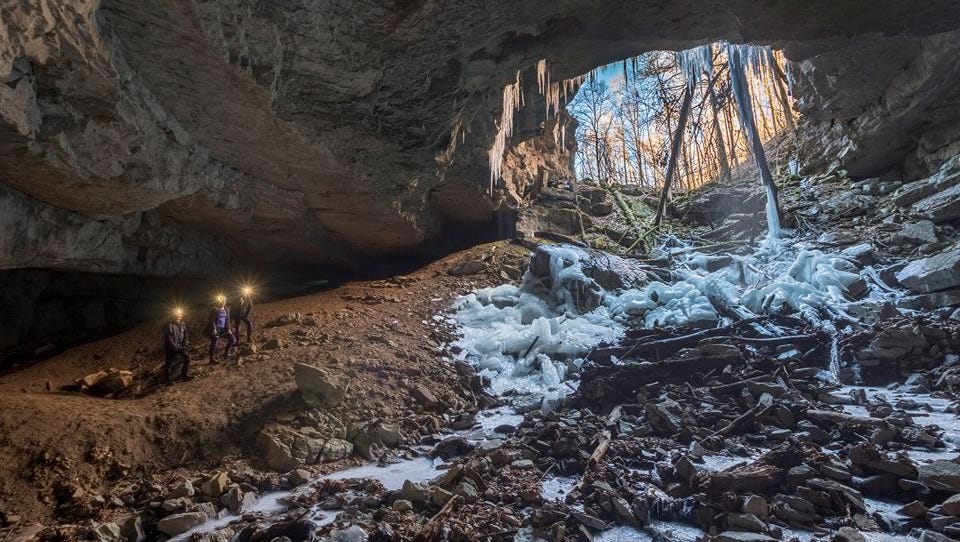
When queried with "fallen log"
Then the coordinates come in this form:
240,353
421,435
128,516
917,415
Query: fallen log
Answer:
606,385
605,437
800,340
431,529
743,420
841,418
752,478
661,348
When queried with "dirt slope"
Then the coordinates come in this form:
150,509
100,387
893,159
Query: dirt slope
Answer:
377,333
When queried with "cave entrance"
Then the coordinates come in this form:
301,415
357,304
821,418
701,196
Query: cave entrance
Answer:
665,123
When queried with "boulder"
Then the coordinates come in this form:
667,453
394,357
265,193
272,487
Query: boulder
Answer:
608,271
452,447
298,477
933,536
414,492
106,532
941,207
952,505
745,522
284,448
915,509
91,379
911,193
131,529
757,506
919,233
665,416
941,475
938,272
114,382
425,397
183,489
402,505
373,438
334,449
320,387
215,485
237,500
468,267
180,523
848,534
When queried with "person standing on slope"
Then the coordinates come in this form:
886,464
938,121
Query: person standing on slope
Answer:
218,325
176,344
241,313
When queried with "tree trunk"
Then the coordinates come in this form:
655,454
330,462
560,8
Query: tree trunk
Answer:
779,78
718,139
674,152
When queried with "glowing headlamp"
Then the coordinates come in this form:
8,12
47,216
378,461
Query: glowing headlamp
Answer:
178,312
247,291
221,298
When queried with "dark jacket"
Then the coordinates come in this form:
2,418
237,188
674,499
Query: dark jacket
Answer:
211,329
243,308
175,337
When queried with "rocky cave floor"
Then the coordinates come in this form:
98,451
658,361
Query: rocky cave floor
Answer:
725,432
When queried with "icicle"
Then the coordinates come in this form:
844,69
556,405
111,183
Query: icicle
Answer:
542,75
740,57
694,62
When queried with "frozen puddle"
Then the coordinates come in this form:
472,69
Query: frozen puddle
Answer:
717,463
556,488
392,476
491,419
656,530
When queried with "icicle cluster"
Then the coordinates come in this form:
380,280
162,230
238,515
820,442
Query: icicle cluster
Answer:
552,91
694,63
512,101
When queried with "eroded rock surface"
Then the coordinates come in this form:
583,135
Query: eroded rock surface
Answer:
170,137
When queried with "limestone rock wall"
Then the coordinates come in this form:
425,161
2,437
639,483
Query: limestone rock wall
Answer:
136,135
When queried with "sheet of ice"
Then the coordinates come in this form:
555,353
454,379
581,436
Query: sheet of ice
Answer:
393,476
622,534
664,530
491,419
555,488
716,463
886,508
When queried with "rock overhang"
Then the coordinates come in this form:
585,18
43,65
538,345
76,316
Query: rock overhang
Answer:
306,133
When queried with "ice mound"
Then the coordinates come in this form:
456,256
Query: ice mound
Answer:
527,338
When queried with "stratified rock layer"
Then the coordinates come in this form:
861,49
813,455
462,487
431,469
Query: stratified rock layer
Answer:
176,137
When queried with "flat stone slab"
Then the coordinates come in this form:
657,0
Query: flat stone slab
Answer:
938,272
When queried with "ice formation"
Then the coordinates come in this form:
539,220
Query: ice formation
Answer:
740,57
552,91
694,63
527,337
512,100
